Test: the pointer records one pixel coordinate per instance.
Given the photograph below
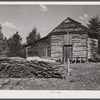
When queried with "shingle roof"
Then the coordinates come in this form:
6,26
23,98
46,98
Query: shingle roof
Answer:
68,25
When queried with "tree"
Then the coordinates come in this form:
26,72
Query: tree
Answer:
94,28
94,25
38,36
3,45
14,45
33,36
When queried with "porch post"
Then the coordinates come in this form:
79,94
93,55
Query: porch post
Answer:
26,52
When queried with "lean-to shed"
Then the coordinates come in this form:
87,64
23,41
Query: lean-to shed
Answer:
70,39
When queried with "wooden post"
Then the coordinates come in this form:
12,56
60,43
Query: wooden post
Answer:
75,60
64,61
26,53
80,59
65,66
61,59
46,51
68,66
86,60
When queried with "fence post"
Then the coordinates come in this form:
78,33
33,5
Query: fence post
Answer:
68,66
26,53
64,61
80,59
75,60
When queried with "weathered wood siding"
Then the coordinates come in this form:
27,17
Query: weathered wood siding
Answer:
41,49
69,33
56,46
78,41
92,47
33,51
45,47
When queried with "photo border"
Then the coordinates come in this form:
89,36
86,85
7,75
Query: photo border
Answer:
13,94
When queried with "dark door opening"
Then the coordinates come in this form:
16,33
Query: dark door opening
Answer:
67,52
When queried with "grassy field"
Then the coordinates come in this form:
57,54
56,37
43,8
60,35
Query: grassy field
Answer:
84,76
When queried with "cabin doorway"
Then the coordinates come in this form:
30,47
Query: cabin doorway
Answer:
67,53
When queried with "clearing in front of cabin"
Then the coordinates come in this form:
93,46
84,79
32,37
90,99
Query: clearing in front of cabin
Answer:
85,76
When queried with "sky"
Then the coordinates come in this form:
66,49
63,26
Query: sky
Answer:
23,18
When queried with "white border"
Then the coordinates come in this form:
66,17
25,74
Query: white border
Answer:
7,94
50,3
49,94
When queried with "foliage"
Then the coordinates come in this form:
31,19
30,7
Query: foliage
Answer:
94,25
38,36
3,46
14,45
33,36
95,58
23,53
94,28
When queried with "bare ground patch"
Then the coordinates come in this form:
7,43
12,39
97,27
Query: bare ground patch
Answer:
83,77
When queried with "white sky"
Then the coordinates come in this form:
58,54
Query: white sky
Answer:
23,18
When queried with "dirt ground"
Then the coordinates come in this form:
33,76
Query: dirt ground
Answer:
84,76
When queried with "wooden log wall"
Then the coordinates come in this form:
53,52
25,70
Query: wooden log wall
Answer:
45,47
92,47
33,51
49,46
79,42
41,49
53,46
56,46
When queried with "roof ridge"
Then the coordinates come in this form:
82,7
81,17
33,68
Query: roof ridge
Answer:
73,20
64,21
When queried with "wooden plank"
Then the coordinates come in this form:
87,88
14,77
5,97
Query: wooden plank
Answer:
67,39
92,47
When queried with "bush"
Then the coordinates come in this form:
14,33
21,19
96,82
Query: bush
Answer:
94,58
97,57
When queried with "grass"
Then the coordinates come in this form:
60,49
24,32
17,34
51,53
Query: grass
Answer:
84,76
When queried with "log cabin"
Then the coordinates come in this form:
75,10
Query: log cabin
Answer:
69,40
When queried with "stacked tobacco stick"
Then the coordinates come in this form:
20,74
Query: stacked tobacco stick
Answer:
28,69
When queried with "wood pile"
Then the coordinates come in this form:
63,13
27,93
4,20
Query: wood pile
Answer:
28,69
